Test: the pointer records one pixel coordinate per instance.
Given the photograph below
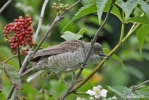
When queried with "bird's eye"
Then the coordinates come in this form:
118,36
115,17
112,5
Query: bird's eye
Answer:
96,51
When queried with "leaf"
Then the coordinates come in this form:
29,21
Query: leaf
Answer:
70,36
121,91
143,92
127,6
114,56
137,12
141,35
135,72
139,19
100,6
91,8
13,76
115,11
82,31
87,9
144,7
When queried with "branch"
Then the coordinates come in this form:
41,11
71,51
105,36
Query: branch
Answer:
8,59
5,5
69,90
25,62
133,89
40,20
58,18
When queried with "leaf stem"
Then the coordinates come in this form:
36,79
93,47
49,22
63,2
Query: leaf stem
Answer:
19,56
8,59
132,30
122,32
70,88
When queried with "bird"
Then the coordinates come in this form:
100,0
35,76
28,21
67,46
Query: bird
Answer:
65,57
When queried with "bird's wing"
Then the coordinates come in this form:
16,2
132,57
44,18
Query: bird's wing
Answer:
67,46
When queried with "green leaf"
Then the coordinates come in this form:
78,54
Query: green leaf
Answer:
121,91
82,31
141,35
115,11
70,36
135,72
144,7
100,6
87,9
139,19
91,8
127,6
13,76
114,56
137,12
143,91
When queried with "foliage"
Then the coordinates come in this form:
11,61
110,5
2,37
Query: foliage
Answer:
117,37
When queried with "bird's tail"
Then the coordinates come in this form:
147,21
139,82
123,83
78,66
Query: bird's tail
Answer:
31,73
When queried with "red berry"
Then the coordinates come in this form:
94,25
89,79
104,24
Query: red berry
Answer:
22,20
15,20
26,16
9,41
15,45
17,32
12,47
28,19
14,53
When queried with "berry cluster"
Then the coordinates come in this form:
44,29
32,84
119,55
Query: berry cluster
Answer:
60,7
22,33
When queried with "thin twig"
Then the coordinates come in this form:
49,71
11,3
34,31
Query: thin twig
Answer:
25,62
46,34
70,7
102,62
134,88
40,20
19,56
69,90
11,92
58,18
8,59
15,94
5,5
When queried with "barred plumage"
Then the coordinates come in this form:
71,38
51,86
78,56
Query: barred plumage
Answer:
65,57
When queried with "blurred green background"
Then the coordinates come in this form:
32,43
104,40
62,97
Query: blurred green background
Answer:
112,73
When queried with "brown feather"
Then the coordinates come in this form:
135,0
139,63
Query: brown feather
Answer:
67,46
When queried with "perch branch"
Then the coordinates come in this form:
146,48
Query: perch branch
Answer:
84,63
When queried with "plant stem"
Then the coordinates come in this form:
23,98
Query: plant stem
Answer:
122,32
69,90
132,30
7,59
19,56
5,5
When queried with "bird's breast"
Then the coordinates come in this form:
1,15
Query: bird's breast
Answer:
66,62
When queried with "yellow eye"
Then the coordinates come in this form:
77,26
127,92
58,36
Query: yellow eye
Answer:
96,51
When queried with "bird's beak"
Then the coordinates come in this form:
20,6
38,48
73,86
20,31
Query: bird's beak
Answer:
104,56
